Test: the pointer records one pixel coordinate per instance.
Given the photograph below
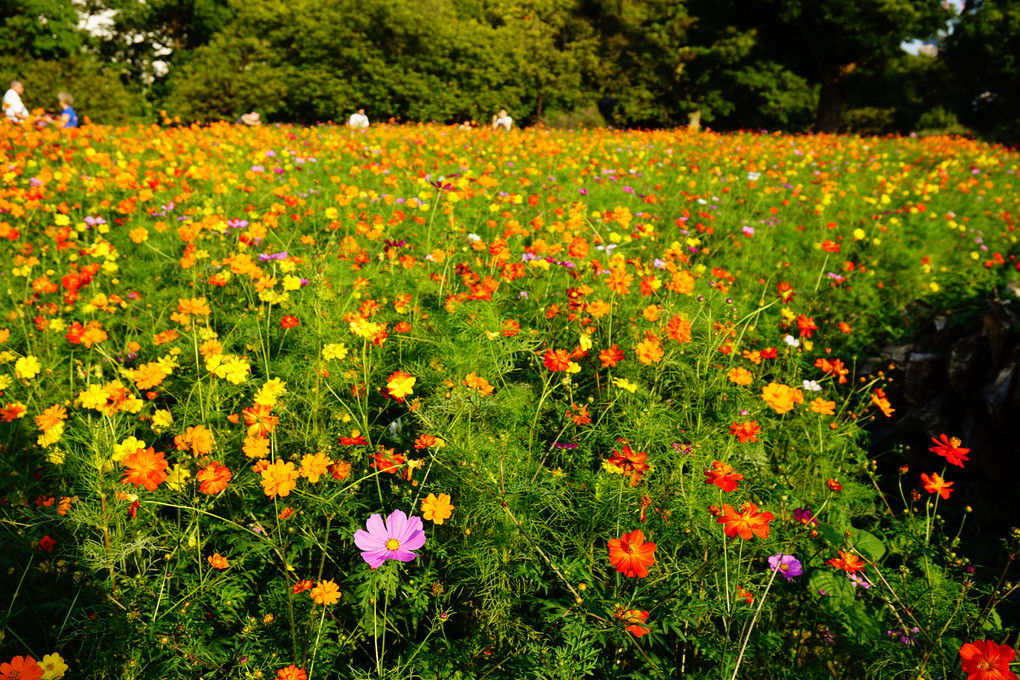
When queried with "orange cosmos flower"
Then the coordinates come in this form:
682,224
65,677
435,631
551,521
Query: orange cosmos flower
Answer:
619,281
326,593
628,461
785,292
314,466
199,439
218,561
679,329
851,564
279,479
649,351
781,397
879,399
746,523
400,385
635,617
146,468
256,447
12,411
745,431
822,407
437,509
723,476
985,660
213,478
949,447
149,375
477,383
935,484
610,357
291,672
631,555
388,460
260,420
556,360
21,668
806,326
50,417
289,321
740,375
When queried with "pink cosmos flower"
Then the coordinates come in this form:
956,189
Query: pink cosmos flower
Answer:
394,540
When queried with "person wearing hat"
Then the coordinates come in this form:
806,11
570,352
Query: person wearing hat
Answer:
253,119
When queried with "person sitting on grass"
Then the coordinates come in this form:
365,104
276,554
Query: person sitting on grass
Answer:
251,119
68,117
14,108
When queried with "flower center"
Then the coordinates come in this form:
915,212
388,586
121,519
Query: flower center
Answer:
784,567
984,665
628,548
393,544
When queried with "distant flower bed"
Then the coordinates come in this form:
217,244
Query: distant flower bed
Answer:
418,401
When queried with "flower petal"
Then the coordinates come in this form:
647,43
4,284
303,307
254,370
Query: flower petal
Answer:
395,524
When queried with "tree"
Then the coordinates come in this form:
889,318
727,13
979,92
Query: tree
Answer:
38,29
827,40
983,54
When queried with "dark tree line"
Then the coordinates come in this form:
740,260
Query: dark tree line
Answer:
794,65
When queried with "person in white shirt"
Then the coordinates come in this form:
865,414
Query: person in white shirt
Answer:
14,108
502,121
359,119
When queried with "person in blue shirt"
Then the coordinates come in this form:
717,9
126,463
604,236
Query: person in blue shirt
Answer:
68,118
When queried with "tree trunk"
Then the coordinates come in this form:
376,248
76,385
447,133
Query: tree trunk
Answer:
830,99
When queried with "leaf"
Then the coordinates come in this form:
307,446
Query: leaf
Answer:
867,543
839,592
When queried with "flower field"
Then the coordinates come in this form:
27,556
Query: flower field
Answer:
419,401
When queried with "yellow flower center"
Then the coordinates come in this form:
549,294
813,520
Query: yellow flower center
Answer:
784,567
393,544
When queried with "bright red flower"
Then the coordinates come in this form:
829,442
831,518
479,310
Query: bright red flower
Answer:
936,484
745,431
289,321
21,668
146,468
806,325
631,555
950,448
630,462
213,478
556,360
985,660
610,357
849,563
722,475
635,617
746,523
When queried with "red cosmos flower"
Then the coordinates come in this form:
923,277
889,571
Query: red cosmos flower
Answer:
785,292
631,555
510,328
289,322
746,523
388,460
630,461
806,325
770,353
936,484
213,478
722,475
610,357
146,468
46,543
950,448
834,485
21,668
635,617
985,660
556,360
745,431
851,564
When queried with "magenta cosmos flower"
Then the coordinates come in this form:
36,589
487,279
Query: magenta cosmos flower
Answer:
786,566
393,540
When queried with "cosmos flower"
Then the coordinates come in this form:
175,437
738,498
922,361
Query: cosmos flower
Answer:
394,539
